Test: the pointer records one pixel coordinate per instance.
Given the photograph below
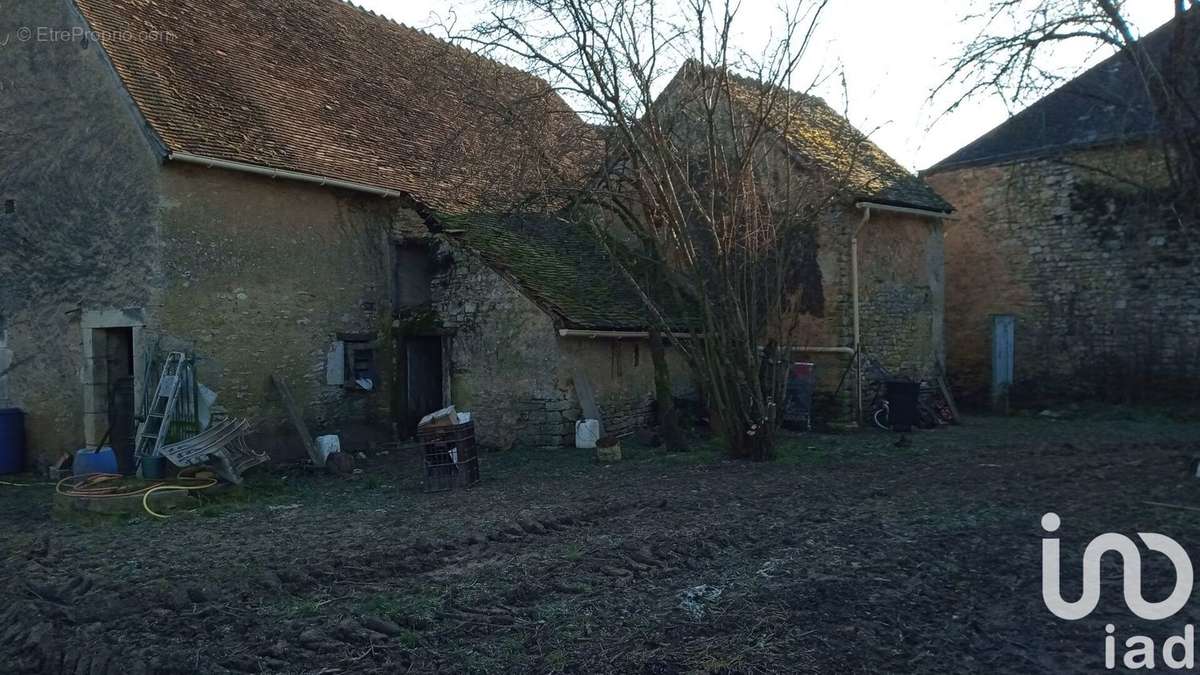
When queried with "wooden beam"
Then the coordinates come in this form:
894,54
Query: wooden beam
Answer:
297,420
949,399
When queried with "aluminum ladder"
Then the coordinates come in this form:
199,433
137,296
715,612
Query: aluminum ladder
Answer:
152,432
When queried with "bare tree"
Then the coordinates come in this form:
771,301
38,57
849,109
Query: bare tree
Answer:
700,204
1008,58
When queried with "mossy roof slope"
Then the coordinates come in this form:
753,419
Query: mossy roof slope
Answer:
557,264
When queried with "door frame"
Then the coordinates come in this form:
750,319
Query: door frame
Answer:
95,392
400,383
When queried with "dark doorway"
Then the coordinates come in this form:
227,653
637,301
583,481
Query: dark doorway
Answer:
118,368
424,359
412,273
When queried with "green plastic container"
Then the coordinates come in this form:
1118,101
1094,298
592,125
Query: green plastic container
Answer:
154,468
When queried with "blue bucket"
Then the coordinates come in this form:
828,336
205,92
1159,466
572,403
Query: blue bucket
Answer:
12,440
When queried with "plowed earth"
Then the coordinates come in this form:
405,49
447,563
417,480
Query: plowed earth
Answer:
847,555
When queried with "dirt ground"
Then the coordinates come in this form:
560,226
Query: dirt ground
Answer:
848,554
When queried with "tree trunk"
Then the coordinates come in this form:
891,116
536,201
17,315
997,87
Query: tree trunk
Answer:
668,417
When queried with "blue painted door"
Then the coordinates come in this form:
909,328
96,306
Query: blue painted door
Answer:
1003,335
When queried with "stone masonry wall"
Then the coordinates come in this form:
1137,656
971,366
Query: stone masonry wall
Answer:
516,375
78,222
901,296
1102,281
262,276
252,275
503,356
901,291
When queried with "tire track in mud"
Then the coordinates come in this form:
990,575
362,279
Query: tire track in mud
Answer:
63,624
60,626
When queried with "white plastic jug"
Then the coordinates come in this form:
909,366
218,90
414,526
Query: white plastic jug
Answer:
587,432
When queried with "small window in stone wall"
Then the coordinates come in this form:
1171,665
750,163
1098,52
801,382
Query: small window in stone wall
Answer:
10,206
361,374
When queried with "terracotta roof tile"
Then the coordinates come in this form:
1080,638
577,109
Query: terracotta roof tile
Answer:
324,88
817,135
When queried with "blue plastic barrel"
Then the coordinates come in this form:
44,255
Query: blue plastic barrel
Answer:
12,440
100,460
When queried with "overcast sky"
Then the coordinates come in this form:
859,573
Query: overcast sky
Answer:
893,53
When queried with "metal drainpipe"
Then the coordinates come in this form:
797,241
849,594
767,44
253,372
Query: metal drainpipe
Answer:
858,381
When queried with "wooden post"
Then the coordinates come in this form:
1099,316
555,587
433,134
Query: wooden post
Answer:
293,412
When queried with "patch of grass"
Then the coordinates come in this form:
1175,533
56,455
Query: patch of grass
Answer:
556,661
831,449
573,552
524,461
300,608
402,607
409,638
701,450
694,457
261,489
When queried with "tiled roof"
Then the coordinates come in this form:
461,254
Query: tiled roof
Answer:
1106,104
817,134
324,88
557,264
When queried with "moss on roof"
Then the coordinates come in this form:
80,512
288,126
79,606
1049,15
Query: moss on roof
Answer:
557,264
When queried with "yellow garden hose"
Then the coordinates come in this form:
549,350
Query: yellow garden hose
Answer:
91,486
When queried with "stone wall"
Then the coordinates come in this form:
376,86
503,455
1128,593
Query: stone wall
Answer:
901,297
79,228
262,276
516,375
1101,279
503,354
621,373
901,293
252,275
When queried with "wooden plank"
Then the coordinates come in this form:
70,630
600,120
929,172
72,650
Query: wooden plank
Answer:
289,404
949,399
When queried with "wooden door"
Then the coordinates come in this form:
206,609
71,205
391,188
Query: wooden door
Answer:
1003,347
424,387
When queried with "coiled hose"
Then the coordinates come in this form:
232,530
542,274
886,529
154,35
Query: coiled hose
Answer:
92,486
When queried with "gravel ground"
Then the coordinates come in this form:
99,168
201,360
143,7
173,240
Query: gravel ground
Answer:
849,553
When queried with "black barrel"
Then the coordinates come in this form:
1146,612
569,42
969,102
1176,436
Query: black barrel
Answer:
902,404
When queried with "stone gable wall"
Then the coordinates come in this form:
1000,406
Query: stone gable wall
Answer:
82,235
1102,281
512,370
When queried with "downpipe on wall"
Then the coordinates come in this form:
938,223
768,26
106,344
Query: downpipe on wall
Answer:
854,283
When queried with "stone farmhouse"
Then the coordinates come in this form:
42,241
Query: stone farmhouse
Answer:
287,187
1060,226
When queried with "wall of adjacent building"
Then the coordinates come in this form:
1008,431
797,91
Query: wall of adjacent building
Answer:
254,276
902,292
901,301
516,374
263,277
82,243
1101,280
